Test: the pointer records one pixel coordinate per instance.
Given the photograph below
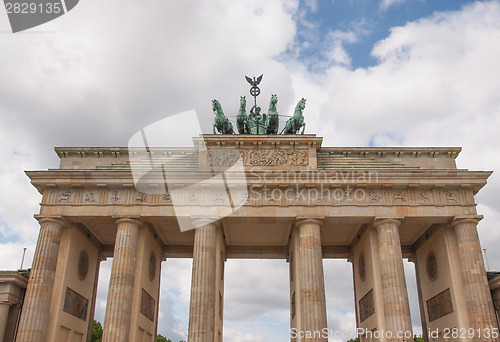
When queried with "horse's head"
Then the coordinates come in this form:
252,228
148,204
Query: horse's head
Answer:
215,105
243,101
301,105
274,99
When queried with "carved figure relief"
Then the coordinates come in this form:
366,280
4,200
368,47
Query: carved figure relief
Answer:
451,197
348,194
218,197
64,197
400,196
115,196
423,197
243,198
258,157
141,197
193,196
374,197
268,197
90,198
222,157
167,197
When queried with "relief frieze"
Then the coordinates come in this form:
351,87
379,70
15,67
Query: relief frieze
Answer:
259,195
275,157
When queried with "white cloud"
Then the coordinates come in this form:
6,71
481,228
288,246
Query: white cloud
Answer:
96,82
385,4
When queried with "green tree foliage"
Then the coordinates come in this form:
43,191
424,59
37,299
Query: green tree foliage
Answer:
96,332
418,339
160,338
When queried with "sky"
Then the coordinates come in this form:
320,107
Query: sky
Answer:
374,72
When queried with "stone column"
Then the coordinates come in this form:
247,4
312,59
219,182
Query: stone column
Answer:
476,289
356,313
35,313
394,293
421,304
121,283
100,259
312,284
203,283
4,315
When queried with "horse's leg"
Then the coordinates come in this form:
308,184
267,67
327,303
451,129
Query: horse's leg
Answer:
303,128
214,128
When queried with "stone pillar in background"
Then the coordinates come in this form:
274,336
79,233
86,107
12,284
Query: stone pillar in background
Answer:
4,315
421,304
121,283
203,285
476,289
312,285
100,259
36,308
394,293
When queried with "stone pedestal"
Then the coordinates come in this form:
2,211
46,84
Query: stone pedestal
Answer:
394,293
35,314
475,283
121,284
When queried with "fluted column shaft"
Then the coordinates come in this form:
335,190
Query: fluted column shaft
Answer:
312,285
4,315
35,315
121,283
476,289
203,283
394,293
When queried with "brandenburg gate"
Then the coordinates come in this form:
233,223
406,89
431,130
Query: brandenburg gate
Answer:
258,196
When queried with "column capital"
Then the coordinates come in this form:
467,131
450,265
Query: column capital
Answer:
299,221
128,219
203,221
50,219
380,221
472,219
